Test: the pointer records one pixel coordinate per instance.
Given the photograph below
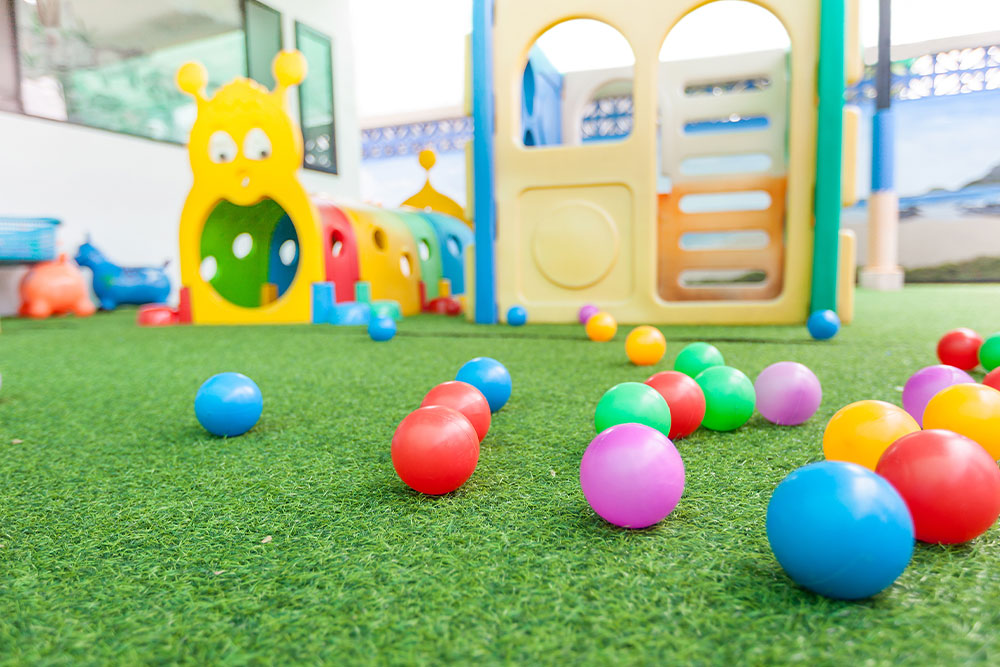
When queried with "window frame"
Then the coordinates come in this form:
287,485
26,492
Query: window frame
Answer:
18,102
300,29
246,32
12,104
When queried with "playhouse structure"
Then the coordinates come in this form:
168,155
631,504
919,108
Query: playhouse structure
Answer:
257,248
751,147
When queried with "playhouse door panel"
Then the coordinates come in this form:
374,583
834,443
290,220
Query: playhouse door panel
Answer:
575,240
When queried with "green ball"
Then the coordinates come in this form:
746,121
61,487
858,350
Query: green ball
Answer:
729,397
989,352
632,403
696,357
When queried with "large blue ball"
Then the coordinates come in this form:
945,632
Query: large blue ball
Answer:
839,530
488,376
382,328
517,316
823,324
228,404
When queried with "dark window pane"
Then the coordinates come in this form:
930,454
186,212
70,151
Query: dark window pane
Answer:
316,100
8,63
115,70
263,41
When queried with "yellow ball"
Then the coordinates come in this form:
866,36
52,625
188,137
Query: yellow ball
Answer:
862,431
645,346
973,410
601,327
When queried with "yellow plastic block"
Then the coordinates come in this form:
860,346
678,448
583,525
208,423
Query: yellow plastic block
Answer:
849,170
845,275
268,293
853,51
613,255
444,287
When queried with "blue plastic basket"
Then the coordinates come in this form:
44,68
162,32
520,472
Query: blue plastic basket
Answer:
27,239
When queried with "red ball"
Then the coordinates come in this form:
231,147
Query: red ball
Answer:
960,348
434,450
464,398
685,399
992,379
950,484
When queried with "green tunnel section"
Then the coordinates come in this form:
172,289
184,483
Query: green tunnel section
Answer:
428,251
245,247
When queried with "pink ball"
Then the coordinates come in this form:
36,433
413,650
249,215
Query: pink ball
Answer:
632,475
926,382
586,312
788,393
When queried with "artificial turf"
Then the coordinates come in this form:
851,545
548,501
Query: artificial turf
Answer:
130,535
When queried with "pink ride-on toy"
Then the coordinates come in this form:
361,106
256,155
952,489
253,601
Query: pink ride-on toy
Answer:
55,288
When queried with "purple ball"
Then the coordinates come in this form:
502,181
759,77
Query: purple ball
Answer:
926,382
788,393
632,475
586,312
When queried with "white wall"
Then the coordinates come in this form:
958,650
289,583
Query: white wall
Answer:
126,192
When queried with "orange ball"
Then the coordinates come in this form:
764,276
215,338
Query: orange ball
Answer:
972,410
862,431
601,327
645,346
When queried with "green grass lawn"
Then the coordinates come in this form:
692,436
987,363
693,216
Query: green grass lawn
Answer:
129,534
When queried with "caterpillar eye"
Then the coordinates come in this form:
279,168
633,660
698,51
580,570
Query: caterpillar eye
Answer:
257,145
221,147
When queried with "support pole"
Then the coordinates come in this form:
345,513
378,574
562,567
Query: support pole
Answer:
484,205
882,271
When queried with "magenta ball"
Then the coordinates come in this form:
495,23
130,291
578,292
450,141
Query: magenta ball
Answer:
586,312
788,393
632,475
926,382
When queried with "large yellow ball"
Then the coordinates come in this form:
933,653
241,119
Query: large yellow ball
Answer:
972,410
645,346
601,327
861,431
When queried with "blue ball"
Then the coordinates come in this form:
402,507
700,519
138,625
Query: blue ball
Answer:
823,324
488,376
228,404
839,530
382,328
517,316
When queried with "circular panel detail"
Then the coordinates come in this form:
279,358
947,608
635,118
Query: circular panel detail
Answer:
576,245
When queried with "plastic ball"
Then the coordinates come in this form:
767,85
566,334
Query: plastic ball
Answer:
950,484
989,352
434,450
586,312
729,397
823,324
992,379
862,431
696,357
973,410
926,382
839,530
632,402
960,348
601,327
788,393
490,377
645,346
685,400
381,328
632,475
516,316
228,404
464,398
